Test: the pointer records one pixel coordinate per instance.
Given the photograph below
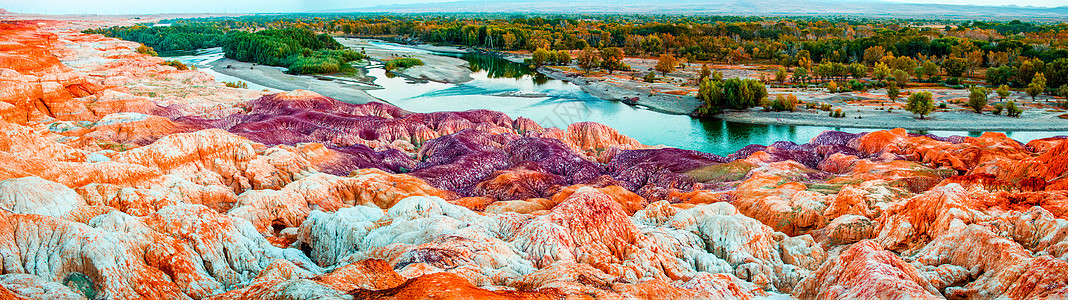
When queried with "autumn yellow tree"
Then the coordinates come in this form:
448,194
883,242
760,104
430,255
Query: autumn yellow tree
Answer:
873,55
666,64
588,59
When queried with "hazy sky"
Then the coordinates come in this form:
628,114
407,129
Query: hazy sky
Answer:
254,6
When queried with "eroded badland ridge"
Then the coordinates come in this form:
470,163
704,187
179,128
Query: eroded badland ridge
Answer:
126,179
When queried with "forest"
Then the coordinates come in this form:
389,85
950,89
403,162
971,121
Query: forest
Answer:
300,50
812,48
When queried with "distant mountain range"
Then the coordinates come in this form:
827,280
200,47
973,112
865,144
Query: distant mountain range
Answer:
871,8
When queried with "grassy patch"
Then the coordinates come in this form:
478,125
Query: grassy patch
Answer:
402,63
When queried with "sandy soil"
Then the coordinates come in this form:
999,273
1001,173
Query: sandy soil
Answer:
616,89
436,67
874,110
674,93
352,88
351,91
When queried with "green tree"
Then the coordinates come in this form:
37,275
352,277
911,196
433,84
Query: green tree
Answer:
919,72
652,44
780,74
930,69
1027,70
1063,92
803,59
734,93
955,67
540,57
858,70
977,99
1000,75
666,64
800,73
901,77
920,103
880,72
874,54
717,76
563,57
892,91
705,72
1037,86
650,77
1003,91
589,59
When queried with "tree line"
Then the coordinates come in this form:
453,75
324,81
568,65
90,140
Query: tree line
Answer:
300,50
812,48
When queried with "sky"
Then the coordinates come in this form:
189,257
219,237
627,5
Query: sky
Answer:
1043,3
270,6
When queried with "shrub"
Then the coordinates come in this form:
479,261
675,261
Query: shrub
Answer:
314,65
1063,92
892,91
942,105
953,81
832,87
998,108
1011,109
147,50
791,102
856,85
783,103
402,63
650,77
977,99
174,63
239,84
837,113
1003,91
825,107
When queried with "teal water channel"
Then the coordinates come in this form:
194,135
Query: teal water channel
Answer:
516,90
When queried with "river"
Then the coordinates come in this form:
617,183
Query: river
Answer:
202,57
516,90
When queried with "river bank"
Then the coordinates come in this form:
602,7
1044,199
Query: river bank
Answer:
352,88
872,109
670,94
675,92
437,68
617,90
351,91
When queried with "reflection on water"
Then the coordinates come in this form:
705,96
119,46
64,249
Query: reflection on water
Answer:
202,57
496,67
516,90
565,103
493,66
